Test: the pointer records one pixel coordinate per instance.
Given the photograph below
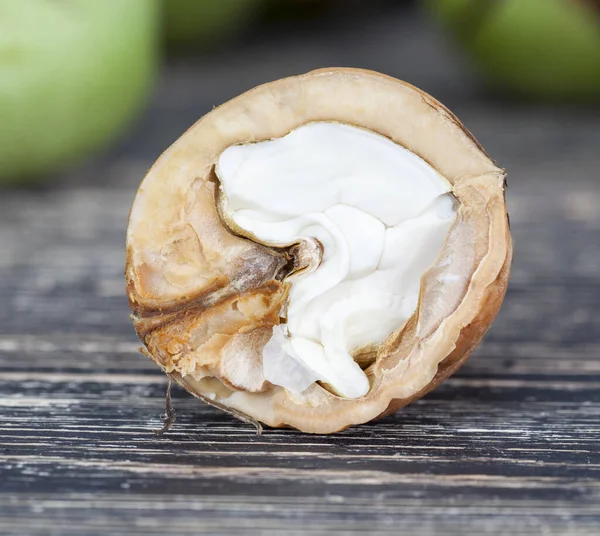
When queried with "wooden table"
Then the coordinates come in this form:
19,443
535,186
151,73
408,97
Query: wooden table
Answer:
509,445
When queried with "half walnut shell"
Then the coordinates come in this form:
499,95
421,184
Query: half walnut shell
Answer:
206,296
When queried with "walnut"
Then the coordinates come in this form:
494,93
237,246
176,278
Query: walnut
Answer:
319,251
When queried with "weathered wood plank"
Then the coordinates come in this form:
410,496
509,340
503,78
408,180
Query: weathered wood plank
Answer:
327,514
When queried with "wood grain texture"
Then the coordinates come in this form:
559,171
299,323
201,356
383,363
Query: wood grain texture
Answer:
509,445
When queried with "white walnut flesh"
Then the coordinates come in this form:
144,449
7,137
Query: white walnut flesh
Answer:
381,215
319,251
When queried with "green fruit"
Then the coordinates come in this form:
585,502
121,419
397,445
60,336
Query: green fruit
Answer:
193,23
72,75
548,49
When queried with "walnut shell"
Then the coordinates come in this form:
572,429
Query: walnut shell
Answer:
204,299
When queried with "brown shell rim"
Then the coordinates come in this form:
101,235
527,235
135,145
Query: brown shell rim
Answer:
469,336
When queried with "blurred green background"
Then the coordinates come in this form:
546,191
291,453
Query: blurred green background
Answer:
75,74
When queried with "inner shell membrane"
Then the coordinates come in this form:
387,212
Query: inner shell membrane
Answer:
382,215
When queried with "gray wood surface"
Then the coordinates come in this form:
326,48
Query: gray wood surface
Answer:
509,445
